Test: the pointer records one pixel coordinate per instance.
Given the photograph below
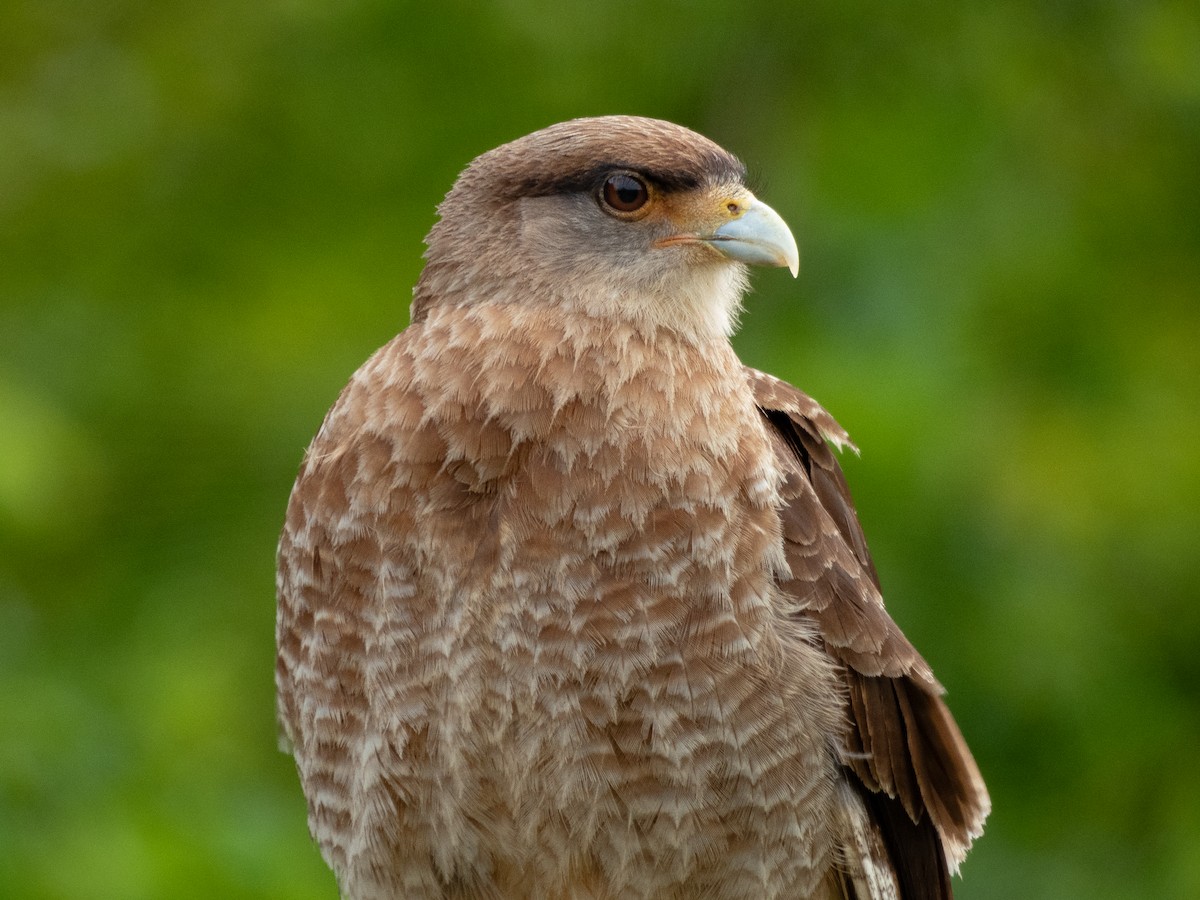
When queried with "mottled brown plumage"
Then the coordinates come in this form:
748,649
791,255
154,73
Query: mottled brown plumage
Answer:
571,603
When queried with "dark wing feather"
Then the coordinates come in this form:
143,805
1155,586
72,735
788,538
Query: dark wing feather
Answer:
918,859
916,775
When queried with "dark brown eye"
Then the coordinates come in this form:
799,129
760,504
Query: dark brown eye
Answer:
625,193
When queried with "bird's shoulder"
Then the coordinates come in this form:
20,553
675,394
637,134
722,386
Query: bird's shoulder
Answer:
827,550
903,753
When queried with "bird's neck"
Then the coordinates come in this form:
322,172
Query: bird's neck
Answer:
534,367
698,304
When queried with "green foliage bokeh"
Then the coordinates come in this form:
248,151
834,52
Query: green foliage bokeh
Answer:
210,214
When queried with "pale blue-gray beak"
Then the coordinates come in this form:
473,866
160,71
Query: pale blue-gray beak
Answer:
757,236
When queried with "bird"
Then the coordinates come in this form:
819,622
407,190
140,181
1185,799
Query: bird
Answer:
573,604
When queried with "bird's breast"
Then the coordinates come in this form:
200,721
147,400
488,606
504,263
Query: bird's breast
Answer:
573,634
619,497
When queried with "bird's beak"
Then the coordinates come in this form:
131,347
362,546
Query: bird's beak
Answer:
755,234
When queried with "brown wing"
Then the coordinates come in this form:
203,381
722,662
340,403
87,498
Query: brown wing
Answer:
920,787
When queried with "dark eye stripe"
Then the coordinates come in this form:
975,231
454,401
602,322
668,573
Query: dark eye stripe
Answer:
590,178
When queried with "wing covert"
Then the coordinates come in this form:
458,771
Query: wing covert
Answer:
914,771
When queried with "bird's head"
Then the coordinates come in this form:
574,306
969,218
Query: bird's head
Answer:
613,216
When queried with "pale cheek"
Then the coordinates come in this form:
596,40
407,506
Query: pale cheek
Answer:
572,260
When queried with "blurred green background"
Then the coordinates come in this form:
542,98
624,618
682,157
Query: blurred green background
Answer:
210,214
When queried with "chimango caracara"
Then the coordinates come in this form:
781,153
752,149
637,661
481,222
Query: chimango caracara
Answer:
572,604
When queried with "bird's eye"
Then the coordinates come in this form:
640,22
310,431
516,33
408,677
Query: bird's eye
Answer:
624,193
